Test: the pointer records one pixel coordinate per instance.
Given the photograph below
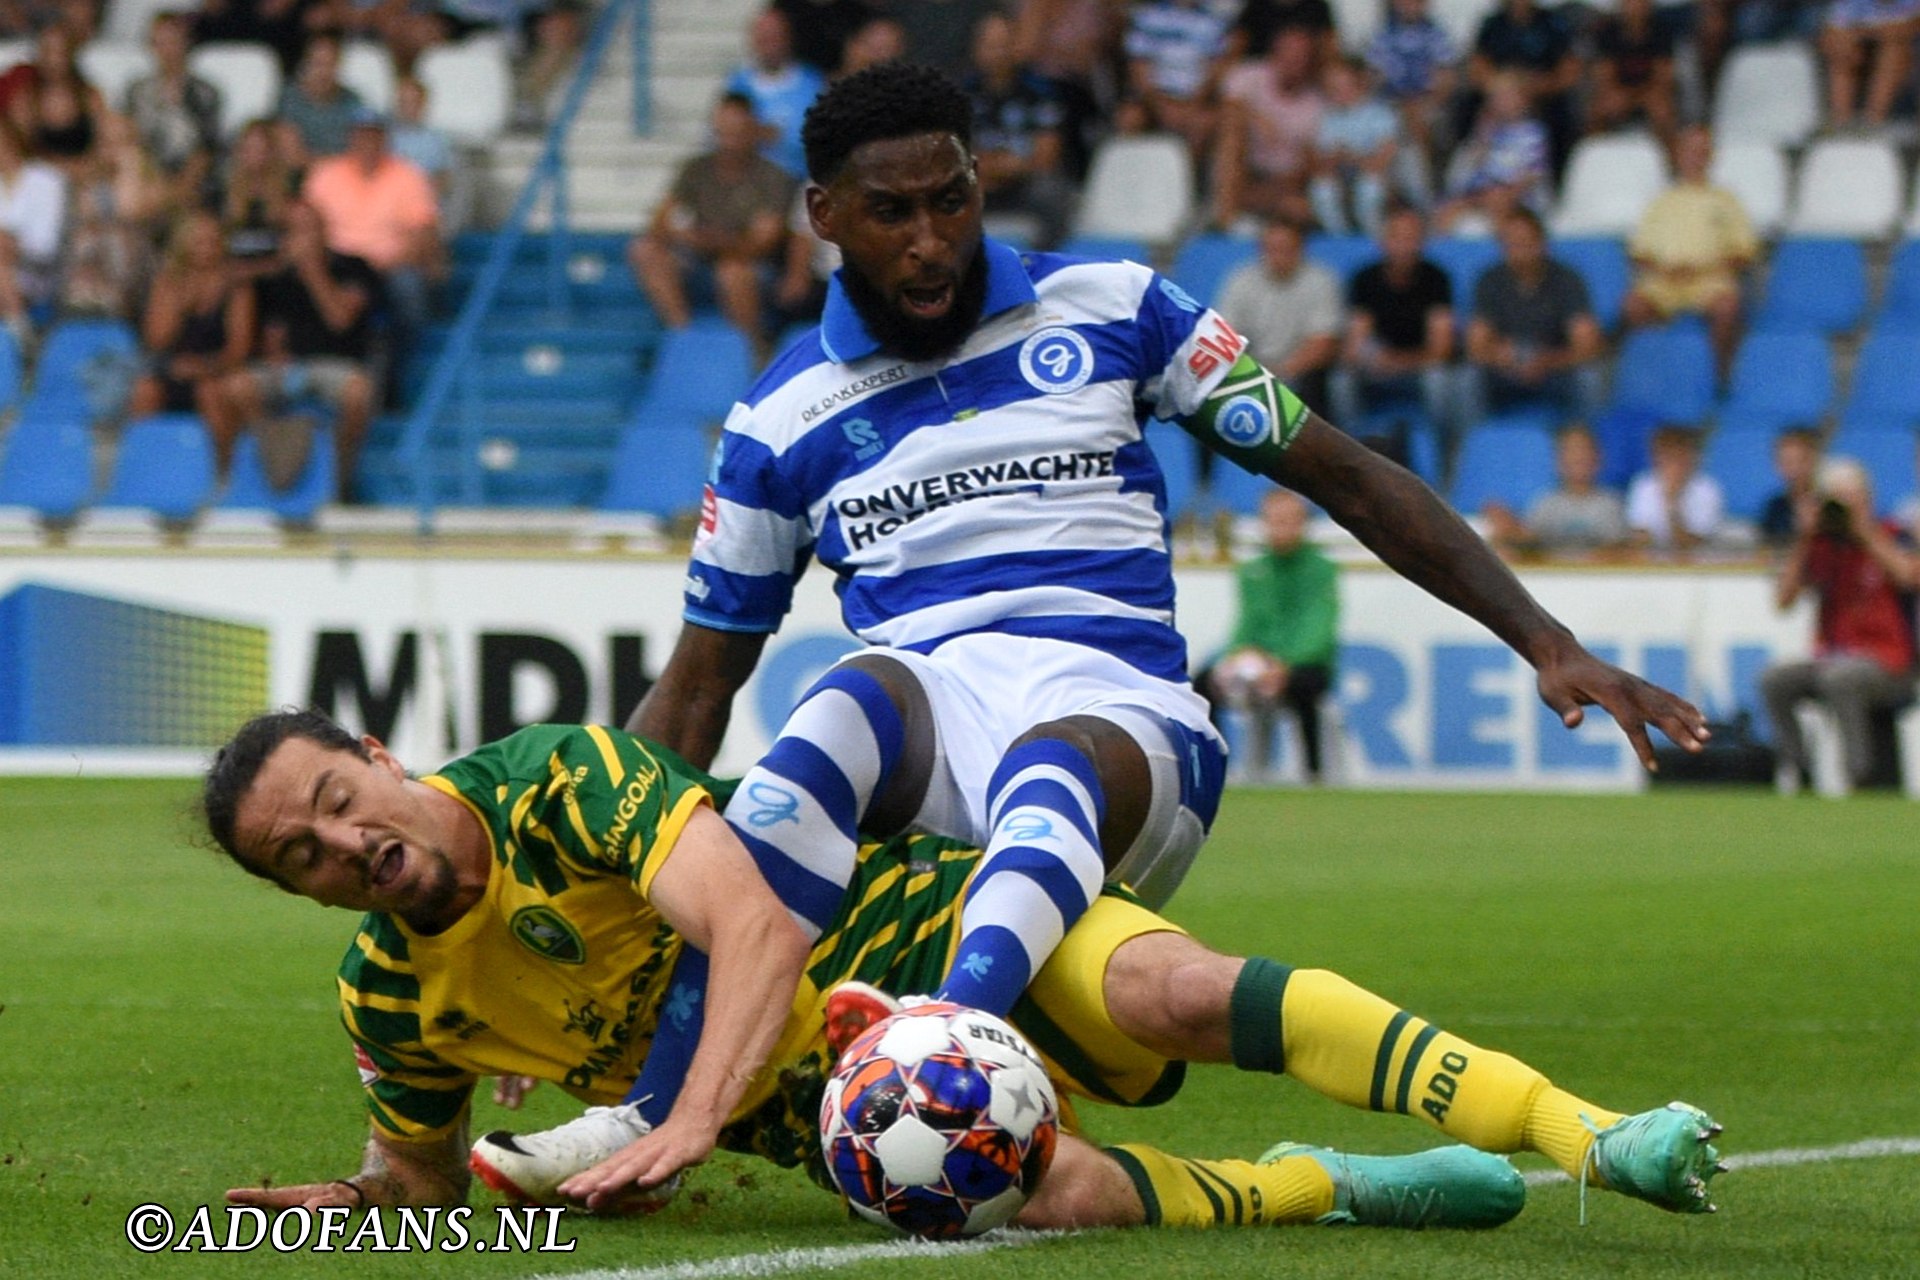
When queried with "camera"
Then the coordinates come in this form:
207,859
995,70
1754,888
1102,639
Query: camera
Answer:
1835,520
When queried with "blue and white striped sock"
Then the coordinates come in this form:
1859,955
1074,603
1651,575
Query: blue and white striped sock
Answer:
1041,869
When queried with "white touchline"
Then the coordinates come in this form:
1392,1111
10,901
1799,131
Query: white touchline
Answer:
781,1262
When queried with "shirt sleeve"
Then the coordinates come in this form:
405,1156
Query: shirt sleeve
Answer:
1645,509
754,536
1185,349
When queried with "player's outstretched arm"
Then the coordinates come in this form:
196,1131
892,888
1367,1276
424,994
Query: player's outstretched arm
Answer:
689,705
426,1173
711,892
1401,520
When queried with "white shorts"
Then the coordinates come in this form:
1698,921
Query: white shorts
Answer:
987,689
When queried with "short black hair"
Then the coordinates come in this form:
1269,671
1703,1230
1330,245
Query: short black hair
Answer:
888,100
237,764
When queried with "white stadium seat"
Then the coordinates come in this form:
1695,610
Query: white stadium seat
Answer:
1357,21
247,76
1913,217
367,69
1756,173
111,66
1462,19
1139,188
1848,187
469,88
126,21
1610,181
1768,93
15,52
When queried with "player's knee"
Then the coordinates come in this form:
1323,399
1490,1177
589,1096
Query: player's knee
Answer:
1169,993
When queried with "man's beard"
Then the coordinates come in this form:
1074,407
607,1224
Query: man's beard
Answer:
908,336
435,894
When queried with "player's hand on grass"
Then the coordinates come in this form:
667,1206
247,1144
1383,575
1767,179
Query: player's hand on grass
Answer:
307,1195
646,1162
511,1091
1579,679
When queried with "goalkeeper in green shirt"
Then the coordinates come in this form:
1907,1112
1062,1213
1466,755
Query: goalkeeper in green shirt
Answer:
1284,644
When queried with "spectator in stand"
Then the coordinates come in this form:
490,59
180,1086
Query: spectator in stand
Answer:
779,89
383,210
316,104
411,138
260,188
281,24
1270,120
117,200
821,29
1414,58
1355,153
1399,330
33,203
807,264
176,113
316,341
1073,45
722,222
1577,518
1016,135
1176,54
51,104
559,31
1288,310
940,32
1533,338
882,40
1261,22
198,331
1674,506
1537,45
1503,165
1692,243
1286,639
1796,460
1862,31
1863,649
1633,72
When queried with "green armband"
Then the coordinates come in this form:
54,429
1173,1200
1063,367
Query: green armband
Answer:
1250,418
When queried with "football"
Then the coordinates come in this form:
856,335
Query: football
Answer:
939,1121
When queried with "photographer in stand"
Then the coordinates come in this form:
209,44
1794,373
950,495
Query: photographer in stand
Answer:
1863,651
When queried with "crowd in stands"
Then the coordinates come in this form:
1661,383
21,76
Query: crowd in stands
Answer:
277,270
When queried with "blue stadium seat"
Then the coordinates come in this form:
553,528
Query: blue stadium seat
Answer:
165,464
1107,248
1815,286
1901,306
12,371
1343,255
700,371
85,368
48,466
1887,454
1623,435
1236,490
1602,263
249,490
1666,371
1886,381
1205,261
1502,463
1174,449
1742,461
1463,260
1779,380
659,465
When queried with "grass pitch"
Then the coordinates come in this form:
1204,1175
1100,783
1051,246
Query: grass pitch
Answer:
167,1030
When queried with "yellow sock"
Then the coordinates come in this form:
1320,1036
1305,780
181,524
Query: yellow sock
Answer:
1210,1193
1350,1044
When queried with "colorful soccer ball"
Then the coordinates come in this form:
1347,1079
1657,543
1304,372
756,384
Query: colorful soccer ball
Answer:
940,1121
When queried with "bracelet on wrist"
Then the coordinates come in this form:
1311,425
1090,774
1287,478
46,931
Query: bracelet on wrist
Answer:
359,1192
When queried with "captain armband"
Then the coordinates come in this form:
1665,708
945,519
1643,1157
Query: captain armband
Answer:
1250,418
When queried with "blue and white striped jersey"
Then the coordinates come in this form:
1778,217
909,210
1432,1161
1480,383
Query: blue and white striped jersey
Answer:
1007,488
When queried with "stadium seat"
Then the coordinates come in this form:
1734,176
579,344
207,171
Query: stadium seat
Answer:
1887,452
469,88
47,465
110,66
84,367
1464,259
1756,173
1886,379
1666,372
1357,21
1174,449
1742,463
15,52
1602,263
658,466
1768,93
1815,286
1343,255
1233,489
249,490
1611,179
1779,380
699,371
247,76
1900,308
367,68
1138,188
1205,261
1501,462
164,465
127,20
12,371
1847,187
1462,19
